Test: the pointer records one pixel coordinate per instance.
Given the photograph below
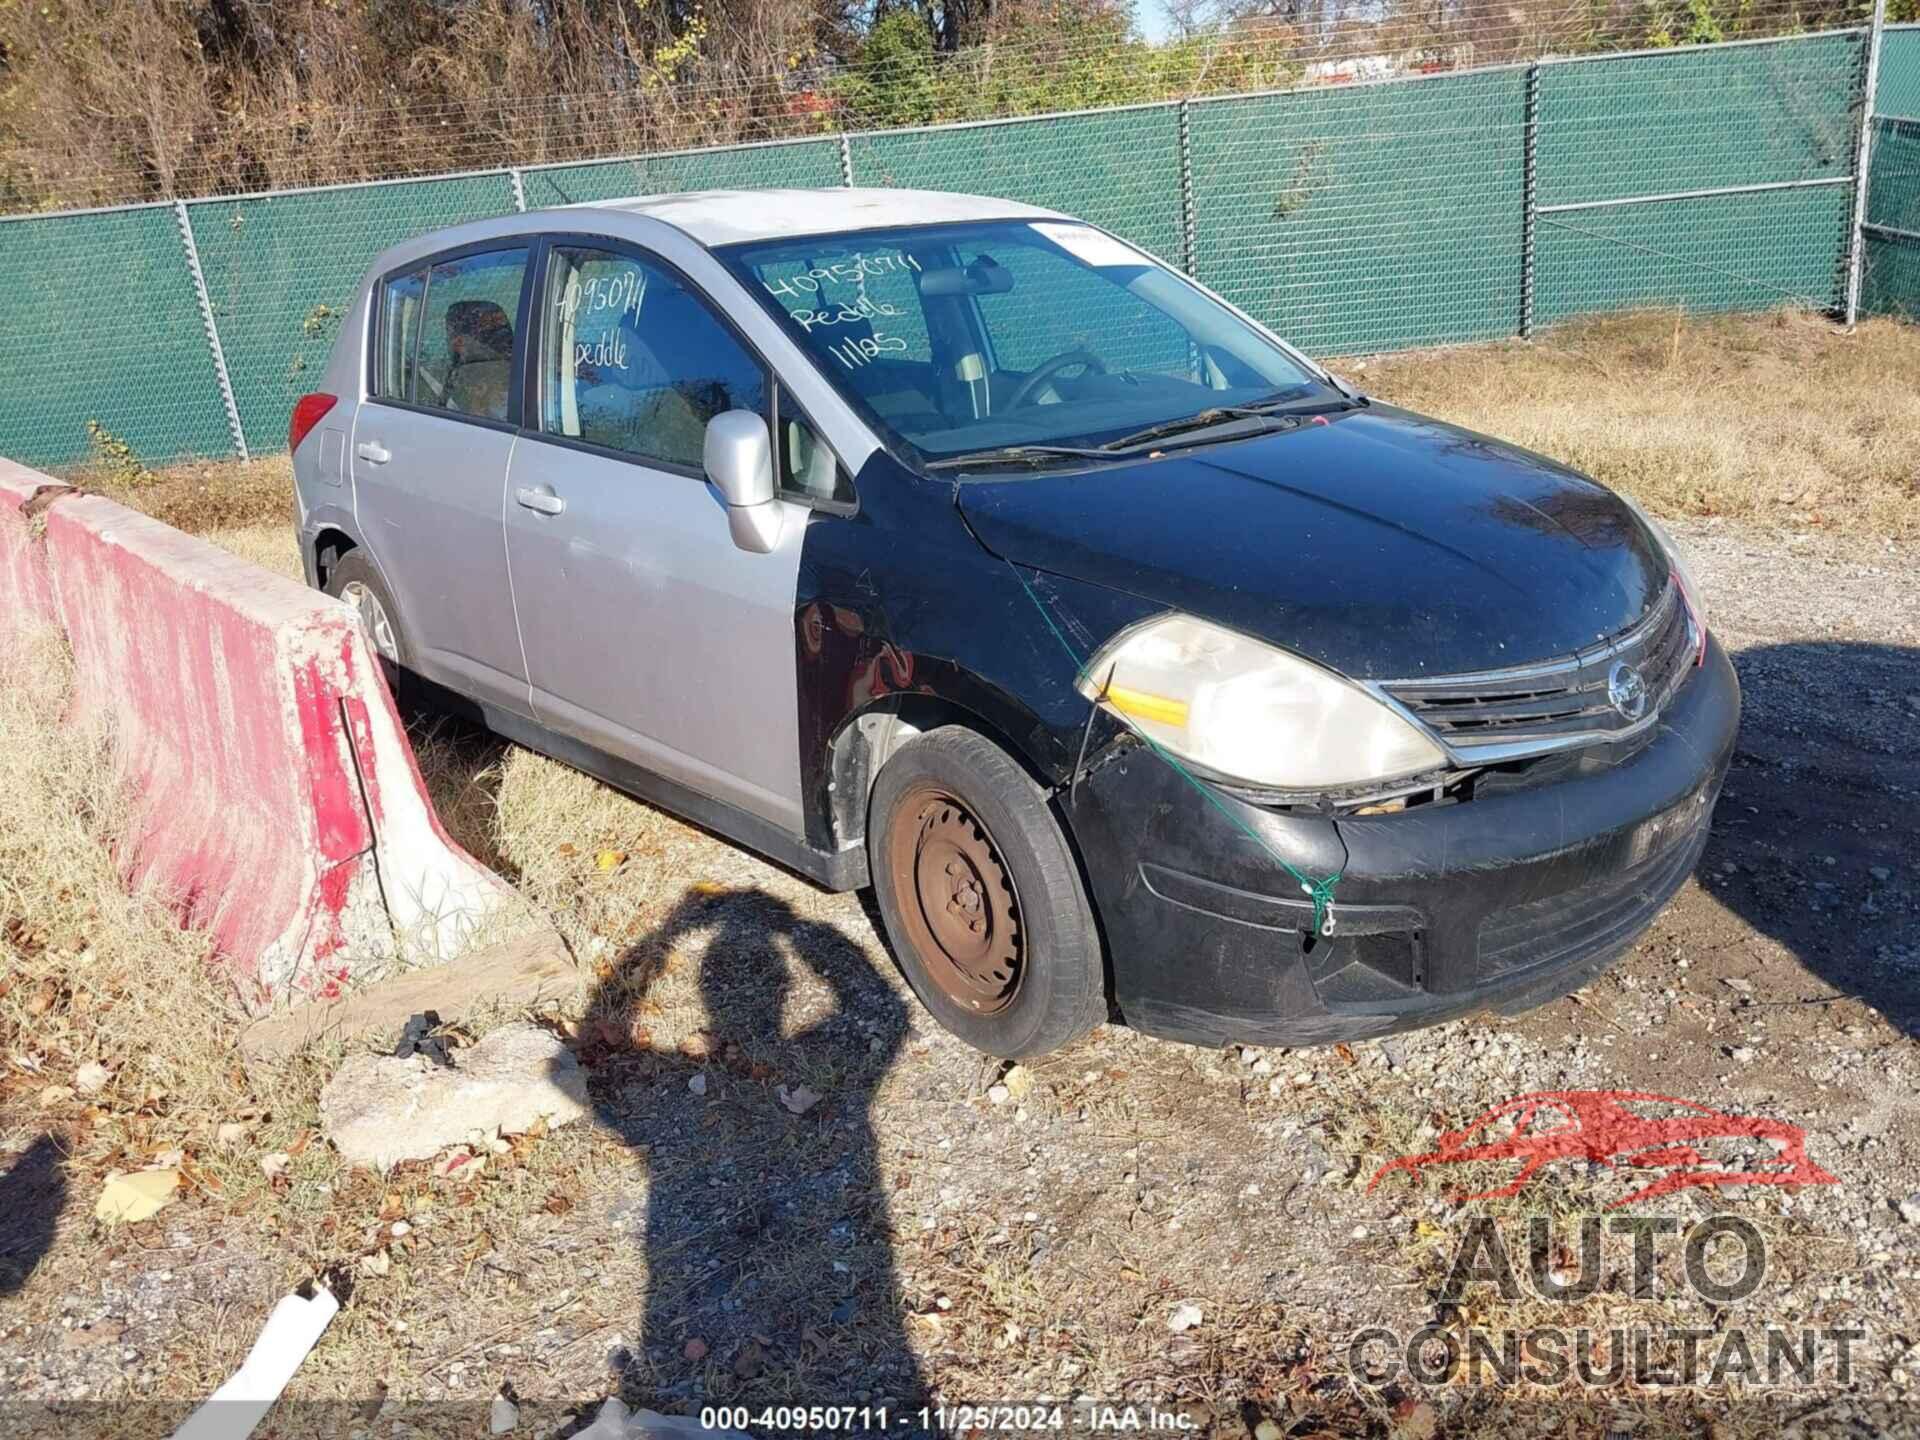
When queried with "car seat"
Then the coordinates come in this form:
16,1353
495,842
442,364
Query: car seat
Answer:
480,340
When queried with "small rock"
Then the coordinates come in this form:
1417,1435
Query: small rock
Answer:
1268,1429
694,1350
697,1083
91,1078
1185,1316
999,1094
1910,1209
379,1110
1743,1054
502,1416
229,1135
274,1165
1880,872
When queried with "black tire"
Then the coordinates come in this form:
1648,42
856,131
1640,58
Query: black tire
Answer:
354,569
954,817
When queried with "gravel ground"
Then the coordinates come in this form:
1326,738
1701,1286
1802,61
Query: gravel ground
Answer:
1137,1221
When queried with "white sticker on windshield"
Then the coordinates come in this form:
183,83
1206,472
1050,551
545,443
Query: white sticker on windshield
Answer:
1083,242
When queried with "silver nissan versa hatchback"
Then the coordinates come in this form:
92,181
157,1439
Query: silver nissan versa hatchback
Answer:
959,548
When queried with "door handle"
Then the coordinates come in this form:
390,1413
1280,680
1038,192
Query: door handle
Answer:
373,452
540,499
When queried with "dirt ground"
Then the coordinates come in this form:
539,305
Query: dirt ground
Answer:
1127,1221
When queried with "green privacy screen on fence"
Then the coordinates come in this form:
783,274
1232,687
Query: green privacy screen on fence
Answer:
1426,209
1119,169
1366,218
280,270
743,167
1890,279
98,321
1708,119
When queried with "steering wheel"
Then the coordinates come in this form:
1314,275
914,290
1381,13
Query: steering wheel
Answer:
1047,369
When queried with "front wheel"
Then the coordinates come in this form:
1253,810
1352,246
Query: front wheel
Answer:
982,898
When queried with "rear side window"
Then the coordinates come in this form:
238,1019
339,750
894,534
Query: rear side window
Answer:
635,361
399,334
465,351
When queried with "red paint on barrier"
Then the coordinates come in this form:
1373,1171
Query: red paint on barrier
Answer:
1596,1126
276,802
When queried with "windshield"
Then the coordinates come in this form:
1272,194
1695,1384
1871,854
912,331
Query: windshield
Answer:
953,339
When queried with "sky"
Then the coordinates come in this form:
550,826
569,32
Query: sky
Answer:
1152,18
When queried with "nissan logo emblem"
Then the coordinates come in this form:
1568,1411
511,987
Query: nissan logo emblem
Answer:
1626,691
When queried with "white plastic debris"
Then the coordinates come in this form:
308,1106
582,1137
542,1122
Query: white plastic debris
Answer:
291,1332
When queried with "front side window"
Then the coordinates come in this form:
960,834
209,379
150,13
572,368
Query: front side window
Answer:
958,338
633,360
399,334
466,334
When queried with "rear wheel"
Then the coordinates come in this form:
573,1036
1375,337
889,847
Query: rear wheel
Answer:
982,898
354,580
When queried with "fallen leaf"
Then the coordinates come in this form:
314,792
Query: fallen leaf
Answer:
275,1165
55,1095
610,859
91,1078
558,1204
798,1100
1018,1080
378,1263
708,887
299,1146
566,849
1345,1052
459,1164
695,1349
229,1134
1185,1316
129,1199
697,1046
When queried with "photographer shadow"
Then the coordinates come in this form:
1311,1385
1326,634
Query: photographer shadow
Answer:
1814,841
769,1255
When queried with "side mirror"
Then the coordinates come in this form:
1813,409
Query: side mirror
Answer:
739,461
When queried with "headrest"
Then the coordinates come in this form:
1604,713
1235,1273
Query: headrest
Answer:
479,330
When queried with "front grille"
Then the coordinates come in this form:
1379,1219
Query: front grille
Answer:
1595,917
1557,700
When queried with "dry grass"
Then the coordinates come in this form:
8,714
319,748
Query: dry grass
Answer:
1777,419
202,497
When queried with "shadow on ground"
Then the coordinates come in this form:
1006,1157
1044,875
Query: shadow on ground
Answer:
768,1244
32,1193
1815,837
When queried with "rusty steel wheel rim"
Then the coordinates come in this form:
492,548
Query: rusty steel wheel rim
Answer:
961,910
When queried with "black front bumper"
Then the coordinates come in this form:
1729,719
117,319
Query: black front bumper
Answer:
1506,901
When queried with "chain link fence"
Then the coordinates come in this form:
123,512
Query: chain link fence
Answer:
1352,214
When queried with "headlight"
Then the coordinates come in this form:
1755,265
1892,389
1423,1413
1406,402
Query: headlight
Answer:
1690,592
1245,711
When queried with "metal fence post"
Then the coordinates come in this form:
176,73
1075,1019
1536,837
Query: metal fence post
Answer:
1529,197
519,187
1863,161
213,331
846,160
1189,226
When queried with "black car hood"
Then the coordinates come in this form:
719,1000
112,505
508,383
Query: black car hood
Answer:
1382,544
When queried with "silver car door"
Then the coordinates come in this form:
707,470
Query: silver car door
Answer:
648,634
430,453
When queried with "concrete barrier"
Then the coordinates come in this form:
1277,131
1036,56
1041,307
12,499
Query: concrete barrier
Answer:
25,597
275,794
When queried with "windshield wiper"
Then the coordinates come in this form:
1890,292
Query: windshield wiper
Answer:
1205,420
1017,454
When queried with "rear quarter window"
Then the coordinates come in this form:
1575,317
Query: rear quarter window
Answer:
400,305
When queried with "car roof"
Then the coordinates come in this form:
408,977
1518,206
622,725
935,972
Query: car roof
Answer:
725,217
